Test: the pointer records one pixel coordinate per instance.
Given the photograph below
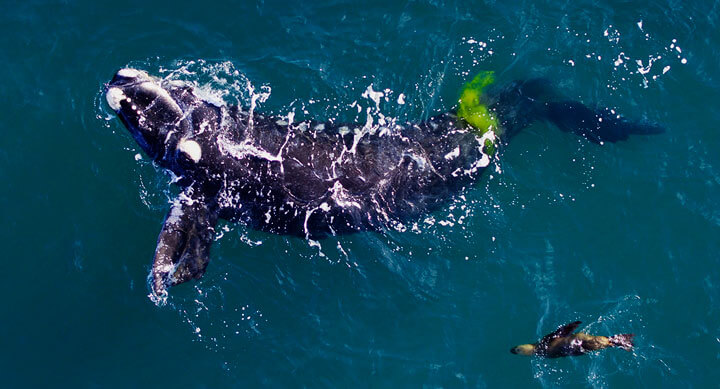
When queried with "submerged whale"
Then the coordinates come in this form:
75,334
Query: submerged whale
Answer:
313,179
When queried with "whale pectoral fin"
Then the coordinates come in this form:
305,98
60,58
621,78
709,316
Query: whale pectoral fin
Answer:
195,258
183,247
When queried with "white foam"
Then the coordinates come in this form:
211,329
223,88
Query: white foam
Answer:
245,149
209,96
341,197
453,154
373,95
174,216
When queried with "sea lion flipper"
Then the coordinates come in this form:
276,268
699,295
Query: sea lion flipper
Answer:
562,331
183,247
624,341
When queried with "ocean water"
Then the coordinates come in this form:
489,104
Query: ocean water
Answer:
624,237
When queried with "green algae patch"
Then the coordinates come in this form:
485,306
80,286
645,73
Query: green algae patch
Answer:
472,109
489,148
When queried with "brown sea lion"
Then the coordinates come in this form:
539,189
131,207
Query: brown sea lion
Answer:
562,343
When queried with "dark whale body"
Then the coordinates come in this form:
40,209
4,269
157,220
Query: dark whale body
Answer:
313,179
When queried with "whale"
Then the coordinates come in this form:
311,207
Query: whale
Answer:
314,179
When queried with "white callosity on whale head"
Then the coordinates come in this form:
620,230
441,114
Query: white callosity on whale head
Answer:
132,73
191,149
161,93
114,96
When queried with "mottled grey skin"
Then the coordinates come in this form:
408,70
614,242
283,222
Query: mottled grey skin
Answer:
313,179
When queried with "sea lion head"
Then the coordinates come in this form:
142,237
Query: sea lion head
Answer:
523,349
161,115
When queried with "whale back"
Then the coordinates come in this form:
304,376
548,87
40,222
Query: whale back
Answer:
314,179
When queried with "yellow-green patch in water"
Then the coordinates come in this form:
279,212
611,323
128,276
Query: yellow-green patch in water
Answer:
489,148
472,108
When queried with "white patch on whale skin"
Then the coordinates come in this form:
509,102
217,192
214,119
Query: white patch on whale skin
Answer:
191,149
421,162
114,96
485,160
131,73
246,148
162,94
453,154
341,197
165,268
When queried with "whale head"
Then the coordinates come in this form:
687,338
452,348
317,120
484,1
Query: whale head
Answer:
147,109
164,117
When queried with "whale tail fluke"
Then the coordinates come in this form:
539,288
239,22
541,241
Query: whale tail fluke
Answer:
597,126
624,341
521,103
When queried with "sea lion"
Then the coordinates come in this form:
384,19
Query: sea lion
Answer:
313,179
563,343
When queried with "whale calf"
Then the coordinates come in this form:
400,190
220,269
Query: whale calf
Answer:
313,179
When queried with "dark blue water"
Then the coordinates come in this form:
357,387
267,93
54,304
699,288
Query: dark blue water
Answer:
622,236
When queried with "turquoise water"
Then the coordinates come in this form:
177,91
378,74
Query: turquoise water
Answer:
624,237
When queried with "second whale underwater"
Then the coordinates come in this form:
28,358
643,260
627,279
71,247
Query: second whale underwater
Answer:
314,179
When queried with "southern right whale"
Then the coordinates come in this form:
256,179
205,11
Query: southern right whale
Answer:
313,179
